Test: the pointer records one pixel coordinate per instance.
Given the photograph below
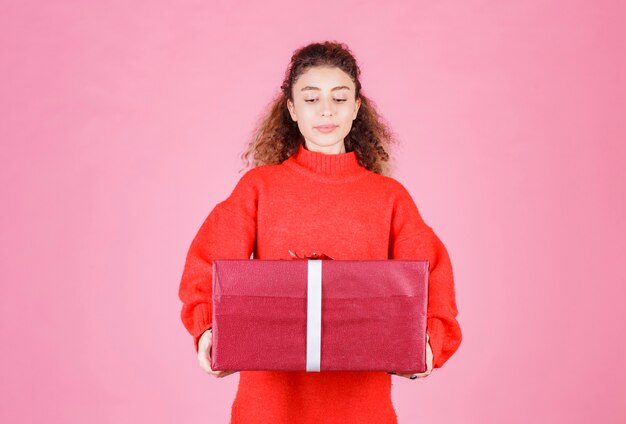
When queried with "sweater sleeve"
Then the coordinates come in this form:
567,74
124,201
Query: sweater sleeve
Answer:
412,238
229,232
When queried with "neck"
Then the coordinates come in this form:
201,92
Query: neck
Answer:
338,167
335,149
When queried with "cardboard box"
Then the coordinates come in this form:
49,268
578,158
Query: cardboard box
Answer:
319,315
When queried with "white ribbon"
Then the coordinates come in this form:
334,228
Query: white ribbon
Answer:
314,315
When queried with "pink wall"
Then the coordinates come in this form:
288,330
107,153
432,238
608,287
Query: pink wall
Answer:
120,129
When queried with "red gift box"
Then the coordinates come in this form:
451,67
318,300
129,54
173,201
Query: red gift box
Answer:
319,315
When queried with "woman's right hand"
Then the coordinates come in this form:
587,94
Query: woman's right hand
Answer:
204,355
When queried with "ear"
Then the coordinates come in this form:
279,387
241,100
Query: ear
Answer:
292,111
356,109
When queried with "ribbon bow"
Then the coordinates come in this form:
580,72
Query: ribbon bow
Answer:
314,255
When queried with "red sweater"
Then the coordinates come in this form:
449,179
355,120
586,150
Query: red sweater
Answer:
314,202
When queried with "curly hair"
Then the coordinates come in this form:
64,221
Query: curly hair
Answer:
276,136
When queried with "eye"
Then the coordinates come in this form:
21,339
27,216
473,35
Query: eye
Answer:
313,100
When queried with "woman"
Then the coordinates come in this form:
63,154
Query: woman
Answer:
318,184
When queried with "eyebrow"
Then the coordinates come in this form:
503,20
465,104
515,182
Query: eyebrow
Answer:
339,87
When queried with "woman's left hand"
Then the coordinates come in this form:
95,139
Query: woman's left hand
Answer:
429,364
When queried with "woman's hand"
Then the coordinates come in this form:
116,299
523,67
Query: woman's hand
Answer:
429,364
204,355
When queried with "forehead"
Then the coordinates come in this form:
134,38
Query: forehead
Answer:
324,78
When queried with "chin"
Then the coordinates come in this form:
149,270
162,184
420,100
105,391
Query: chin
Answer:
327,141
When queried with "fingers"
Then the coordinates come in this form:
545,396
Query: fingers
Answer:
206,366
204,356
412,376
429,364
223,374
420,375
204,353
429,355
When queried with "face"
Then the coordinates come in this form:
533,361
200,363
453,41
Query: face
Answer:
324,96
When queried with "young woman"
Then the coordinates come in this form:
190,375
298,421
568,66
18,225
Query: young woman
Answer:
319,184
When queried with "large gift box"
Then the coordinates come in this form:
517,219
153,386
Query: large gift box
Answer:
319,315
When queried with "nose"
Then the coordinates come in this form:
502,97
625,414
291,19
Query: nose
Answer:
327,107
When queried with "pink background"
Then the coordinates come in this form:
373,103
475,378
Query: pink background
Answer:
121,125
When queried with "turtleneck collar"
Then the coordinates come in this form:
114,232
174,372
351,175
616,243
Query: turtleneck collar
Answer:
340,167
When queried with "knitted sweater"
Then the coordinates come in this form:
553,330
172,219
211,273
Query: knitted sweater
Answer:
314,202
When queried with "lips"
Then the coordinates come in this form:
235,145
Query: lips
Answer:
326,128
